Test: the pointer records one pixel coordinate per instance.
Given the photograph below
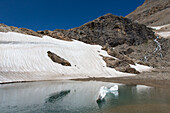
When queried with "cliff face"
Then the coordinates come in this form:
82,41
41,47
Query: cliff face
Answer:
109,30
152,12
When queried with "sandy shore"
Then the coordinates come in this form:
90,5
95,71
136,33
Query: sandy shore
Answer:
157,78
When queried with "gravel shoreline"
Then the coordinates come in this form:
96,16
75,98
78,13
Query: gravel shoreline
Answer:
157,78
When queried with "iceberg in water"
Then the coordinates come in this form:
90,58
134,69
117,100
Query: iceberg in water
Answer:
104,90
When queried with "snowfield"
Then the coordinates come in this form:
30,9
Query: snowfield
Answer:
159,27
25,58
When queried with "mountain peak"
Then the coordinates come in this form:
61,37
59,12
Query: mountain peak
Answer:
108,14
152,12
111,30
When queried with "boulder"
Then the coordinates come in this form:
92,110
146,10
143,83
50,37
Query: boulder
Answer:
57,59
119,65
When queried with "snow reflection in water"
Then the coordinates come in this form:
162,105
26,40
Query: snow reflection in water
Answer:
73,96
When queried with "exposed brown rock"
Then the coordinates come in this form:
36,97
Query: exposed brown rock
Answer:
119,65
5,28
127,69
55,34
58,34
143,63
152,12
115,53
111,62
147,50
57,59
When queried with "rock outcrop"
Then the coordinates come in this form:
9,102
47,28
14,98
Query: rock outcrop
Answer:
5,28
58,34
152,12
107,30
111,30
57,59
119,65
144,54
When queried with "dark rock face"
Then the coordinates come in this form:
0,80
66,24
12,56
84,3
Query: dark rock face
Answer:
111,30
5,28
152,12
58,59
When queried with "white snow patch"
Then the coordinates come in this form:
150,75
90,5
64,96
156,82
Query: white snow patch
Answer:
159,27
141,68
24,58
164,34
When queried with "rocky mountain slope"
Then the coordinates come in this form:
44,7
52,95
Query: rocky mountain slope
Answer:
112,45
28,55
131,41
30,58
109,30
152,13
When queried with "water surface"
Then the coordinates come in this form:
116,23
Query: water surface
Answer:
80,97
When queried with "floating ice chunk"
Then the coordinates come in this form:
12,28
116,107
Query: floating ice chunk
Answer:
102,93
104,90
115,93
114,88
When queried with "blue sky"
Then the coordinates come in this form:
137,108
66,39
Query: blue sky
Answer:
60,14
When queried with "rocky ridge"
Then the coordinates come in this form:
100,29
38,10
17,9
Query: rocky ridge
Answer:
152,13
110,30
5,28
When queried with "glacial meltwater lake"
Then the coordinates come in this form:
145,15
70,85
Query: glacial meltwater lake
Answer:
80,97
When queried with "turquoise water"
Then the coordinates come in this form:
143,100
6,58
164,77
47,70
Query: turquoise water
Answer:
80,97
